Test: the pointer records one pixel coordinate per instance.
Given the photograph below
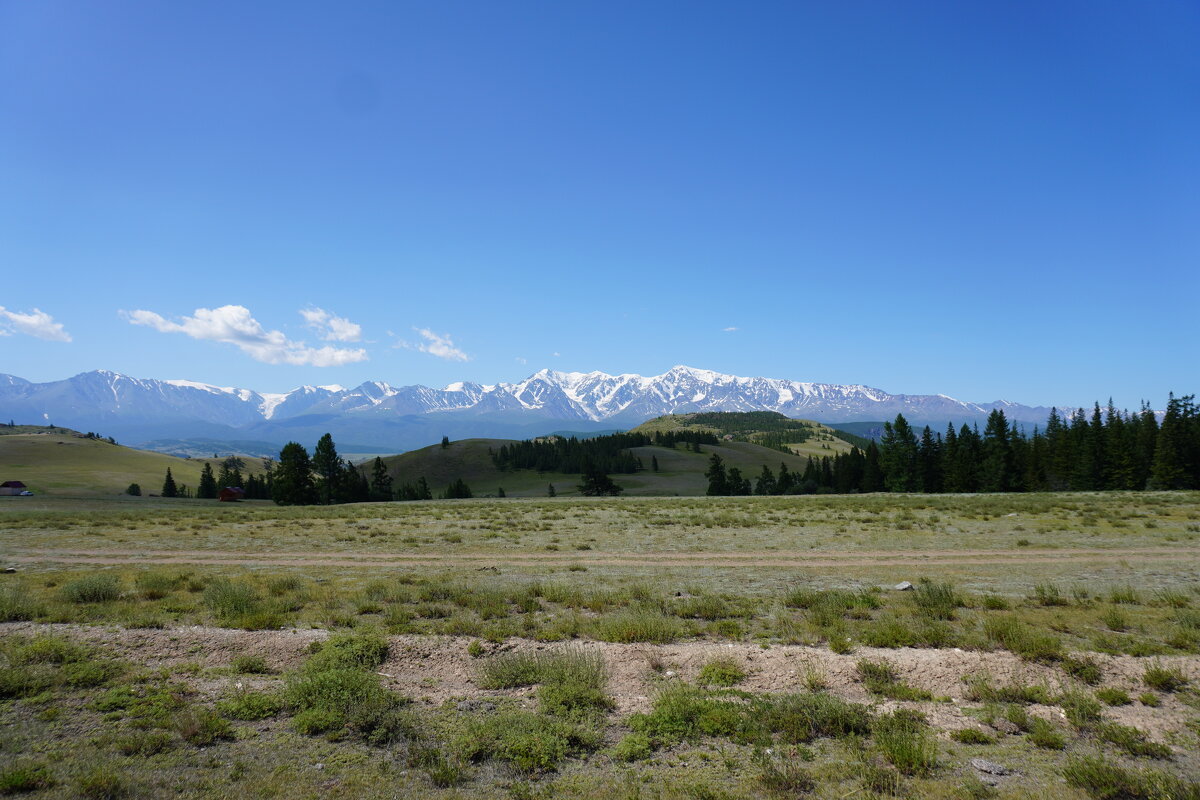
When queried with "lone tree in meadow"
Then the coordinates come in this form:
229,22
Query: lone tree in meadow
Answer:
596,483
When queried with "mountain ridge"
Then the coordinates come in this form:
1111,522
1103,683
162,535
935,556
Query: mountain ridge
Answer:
144,409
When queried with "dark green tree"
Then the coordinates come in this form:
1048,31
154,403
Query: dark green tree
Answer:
597,483
872,479
766,482
457,490
996,470
328,466
654,463
207,489
898,454
550,492
134,490
169,489
293,484
718,482
500,492
445,442
381,481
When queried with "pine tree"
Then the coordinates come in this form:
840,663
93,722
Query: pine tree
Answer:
328,467
717,480
872,479
597,483
1178,447
134,490
445,442
293,485
550,492
423,491
929,461
457,490
169,489
898,454
207,490
654,463
996,470
766,482
381,481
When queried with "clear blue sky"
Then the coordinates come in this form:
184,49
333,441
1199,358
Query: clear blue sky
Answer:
987,200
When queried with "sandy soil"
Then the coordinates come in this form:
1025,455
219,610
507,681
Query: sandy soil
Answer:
434,669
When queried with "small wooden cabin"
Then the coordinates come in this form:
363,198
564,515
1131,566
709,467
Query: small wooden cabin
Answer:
231,494
11,488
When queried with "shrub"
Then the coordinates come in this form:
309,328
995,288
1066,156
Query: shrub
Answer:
363,649
1131,740
1112,696
1045,735
722,671
1019,638
1082,668
1115,620
684,713
1124,595
1047,594
567,665
637,624
530,743
201,727
800,718
92,589
229,599
250,665
16,605
971,736
25,777
633,747
994,602
1164,679
1149,699
1082,710
880,678
250,705
784,777
980,688
903,739
155,585
102,783
144,742
1106,780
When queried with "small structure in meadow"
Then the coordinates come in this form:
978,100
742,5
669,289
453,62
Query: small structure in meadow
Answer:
11,488
231,494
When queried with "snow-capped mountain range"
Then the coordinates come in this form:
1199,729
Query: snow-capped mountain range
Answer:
400,417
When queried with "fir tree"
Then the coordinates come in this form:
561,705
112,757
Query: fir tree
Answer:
134,490
445,442
169,489
597,483
766,482
898,453
207,490
717,480
328,467
293,485
381,481
550,492
654,463
996,471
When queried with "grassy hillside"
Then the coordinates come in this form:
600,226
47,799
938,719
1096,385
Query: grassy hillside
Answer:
681,472
757,427
65,462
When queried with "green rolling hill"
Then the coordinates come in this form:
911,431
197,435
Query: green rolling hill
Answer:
681,471
66,462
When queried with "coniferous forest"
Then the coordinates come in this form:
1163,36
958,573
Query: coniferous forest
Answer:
1102,451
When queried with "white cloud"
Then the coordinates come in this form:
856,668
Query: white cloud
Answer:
520,360
440,345
730,329
556,354
329,327
36,323
234,325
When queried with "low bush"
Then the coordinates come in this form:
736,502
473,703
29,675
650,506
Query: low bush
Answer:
25,777
16,604
637,624
201,727
100,588
1105,779
250,705
102,783
1082,709
1082,668
1163,678
1014,635
981,689
156,585
633,747
972,736
250,665
722,671
880,678
904,740
567,665
1131,740
1112,696
530,743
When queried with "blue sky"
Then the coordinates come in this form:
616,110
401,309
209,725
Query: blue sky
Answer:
987,200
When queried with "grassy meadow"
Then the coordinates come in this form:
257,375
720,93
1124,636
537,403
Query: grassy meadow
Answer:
685,647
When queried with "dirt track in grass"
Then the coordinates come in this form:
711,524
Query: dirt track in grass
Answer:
824,558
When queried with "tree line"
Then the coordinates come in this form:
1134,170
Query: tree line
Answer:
607,454
1104,451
